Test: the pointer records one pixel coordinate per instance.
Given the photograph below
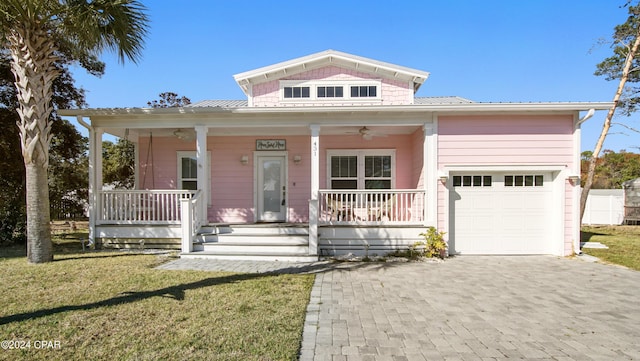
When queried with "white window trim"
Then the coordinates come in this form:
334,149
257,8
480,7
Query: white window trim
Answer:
346,91
361,154
192,154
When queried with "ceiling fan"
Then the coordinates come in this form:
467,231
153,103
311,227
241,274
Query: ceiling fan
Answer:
368,134
185,135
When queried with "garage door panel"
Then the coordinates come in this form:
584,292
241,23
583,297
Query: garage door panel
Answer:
498,219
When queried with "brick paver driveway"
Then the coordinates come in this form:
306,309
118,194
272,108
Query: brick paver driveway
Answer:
475,308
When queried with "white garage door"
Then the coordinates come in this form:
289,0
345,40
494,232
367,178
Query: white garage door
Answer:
501,213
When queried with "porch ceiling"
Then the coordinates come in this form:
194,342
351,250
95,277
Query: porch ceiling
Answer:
383,130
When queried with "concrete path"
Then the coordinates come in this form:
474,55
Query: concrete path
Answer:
466,308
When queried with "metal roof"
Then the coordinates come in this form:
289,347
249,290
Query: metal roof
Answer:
441,100
243,103
219,103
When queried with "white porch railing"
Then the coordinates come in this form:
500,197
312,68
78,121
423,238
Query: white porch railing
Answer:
389,206
141,206
192,220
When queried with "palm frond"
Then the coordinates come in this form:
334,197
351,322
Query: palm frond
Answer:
120,26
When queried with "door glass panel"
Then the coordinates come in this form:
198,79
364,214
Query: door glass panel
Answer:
272,185
189,167
190,185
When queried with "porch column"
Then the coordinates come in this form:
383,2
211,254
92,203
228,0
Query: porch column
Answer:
203,170
95,182
430,174
315,190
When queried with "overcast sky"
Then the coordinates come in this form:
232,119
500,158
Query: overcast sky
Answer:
488,51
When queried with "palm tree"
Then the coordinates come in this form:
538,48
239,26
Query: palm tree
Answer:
38,34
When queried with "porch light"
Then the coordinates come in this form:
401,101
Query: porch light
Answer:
443,177
244,159
297,159
574,179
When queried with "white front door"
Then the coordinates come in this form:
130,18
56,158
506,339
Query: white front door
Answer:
272,188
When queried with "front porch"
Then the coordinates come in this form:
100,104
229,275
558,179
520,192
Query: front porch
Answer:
361,222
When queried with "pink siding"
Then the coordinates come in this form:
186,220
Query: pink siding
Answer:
401,143
232,188
159,168
417,143
496,140
393,92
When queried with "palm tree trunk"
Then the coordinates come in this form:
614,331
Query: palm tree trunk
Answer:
39,247
33,56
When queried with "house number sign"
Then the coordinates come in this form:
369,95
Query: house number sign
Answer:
271,144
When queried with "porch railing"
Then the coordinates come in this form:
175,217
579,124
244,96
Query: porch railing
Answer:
141,206
192,220
388,206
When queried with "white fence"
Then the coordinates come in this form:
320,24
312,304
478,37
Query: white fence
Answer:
604,206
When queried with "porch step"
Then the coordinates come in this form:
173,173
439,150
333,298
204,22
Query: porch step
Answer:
267,242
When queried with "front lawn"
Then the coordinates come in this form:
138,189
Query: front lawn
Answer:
623,243
116,306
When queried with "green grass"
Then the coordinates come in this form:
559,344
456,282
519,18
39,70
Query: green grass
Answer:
116,306
623,243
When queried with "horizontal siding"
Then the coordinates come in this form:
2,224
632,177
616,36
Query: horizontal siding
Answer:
232,188
496,140
403,144
417,165
393,92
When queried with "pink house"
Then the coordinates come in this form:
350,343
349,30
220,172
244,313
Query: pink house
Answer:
332,153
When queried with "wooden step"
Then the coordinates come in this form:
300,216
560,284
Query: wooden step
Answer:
267,242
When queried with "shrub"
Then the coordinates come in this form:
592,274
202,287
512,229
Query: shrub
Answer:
433,244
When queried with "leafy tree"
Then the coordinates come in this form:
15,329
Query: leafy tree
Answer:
38,33
68,169
118,163
169,100
621,66
613,169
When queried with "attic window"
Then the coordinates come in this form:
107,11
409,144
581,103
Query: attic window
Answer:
296,92
364,91
330,91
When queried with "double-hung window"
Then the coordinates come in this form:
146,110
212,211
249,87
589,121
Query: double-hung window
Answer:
361,169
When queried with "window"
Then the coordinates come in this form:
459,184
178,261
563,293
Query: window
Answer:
377,172
361,169
364,91
344,172
296,92
329,92
472,181
357,90
188,172
523,180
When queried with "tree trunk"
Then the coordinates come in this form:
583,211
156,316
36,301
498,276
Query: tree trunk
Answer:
32,64
607,123
39,248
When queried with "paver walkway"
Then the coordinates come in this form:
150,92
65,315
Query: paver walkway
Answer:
466,308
